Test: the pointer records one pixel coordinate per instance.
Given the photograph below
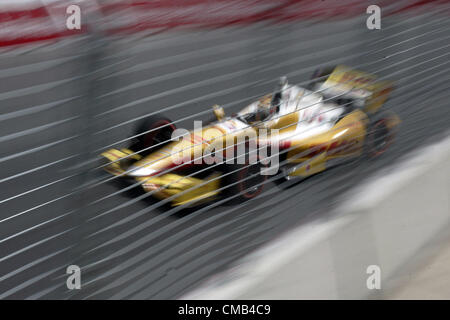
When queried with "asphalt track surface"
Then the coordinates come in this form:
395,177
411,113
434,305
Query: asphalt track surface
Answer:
57,113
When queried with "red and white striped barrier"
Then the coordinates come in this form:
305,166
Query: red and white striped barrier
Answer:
30,21
25,21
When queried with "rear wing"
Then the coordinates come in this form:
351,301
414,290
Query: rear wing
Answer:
360,86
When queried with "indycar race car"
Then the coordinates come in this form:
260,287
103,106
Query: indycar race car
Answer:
303,131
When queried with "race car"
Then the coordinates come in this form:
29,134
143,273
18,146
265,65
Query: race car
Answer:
303,131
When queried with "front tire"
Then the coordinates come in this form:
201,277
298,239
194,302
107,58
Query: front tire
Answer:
152,133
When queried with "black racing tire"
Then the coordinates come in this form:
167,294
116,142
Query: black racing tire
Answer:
153,131
243,181
379,137
320,75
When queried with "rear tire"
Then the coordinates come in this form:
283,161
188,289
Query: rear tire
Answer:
379,138
320,75
246,181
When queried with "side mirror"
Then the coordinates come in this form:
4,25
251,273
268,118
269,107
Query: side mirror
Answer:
218,112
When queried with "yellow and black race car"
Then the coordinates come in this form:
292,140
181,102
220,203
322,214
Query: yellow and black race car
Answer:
293,132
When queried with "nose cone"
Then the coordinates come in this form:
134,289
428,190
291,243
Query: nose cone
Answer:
152,164
177,154
144,171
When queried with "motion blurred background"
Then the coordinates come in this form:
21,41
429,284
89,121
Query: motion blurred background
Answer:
68,95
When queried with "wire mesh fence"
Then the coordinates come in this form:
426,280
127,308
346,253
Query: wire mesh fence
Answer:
65,103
